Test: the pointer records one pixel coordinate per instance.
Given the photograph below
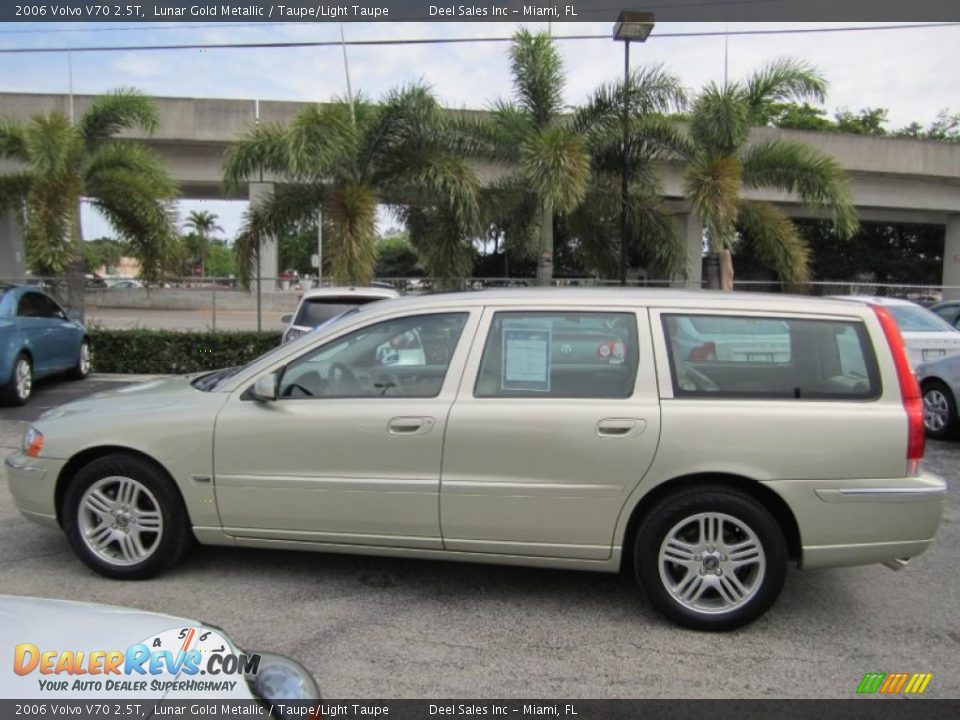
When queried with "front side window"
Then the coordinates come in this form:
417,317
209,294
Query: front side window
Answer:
754,357
405,357
560,355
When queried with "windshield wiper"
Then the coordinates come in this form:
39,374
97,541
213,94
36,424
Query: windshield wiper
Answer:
209,382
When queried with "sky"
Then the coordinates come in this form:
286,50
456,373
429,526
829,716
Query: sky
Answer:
912,72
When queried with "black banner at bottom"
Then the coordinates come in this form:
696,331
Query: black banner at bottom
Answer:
864,708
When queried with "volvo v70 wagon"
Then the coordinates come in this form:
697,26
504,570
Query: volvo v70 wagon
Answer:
701,441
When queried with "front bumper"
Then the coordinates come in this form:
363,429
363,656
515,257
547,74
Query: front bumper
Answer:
33,483
864,521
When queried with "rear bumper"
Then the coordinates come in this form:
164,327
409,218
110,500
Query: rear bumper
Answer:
864,521
33,483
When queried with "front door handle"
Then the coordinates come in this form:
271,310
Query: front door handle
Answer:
410,425
621,427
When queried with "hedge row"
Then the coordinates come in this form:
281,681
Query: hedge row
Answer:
167,351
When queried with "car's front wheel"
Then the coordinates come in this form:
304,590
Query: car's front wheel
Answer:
710,558
939,410
124,518
19,388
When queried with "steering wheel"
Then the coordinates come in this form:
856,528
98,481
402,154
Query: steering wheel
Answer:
388,382
700,380
348,383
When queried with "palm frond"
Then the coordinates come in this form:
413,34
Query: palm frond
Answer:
263,149
136,160
351,210
121,109
648,91
322,141
776,241
781,81
14,189
439,239
537,75
720,119
13,142
712,186
556,165
53,146
799,168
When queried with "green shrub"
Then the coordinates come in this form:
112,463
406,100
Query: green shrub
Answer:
169,351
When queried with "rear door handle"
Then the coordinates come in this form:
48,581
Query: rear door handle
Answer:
410,425
621,427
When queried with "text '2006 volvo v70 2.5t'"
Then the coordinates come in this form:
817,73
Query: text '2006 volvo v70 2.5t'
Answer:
703,441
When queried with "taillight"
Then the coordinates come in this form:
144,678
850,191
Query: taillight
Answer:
909,389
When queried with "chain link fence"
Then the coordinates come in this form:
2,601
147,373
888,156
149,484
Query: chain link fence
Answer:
222,304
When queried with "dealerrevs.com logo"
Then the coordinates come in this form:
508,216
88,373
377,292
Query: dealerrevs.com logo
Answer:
894,683
187,659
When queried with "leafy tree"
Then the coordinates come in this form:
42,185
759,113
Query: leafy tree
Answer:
57,163
346,158
396,257
203,224
800,116
221,261
946,127
103,252
530,133
721,165
868,121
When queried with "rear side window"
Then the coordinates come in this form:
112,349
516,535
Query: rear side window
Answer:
559,355
777,358
316,311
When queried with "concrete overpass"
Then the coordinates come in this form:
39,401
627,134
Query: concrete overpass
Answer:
892,179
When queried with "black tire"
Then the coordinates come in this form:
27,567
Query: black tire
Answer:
171,542
935,391
10,393
82,369
663,519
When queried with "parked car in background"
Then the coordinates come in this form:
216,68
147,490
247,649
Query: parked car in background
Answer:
321,305
940,384
949,311
927,335
90,629
37,339
124,284
556,428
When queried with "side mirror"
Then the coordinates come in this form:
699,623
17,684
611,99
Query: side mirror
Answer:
73,315
265,388
286,319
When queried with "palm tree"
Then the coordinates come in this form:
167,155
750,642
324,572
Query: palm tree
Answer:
58,163
650,94
202,223
548,165
721,164
346,158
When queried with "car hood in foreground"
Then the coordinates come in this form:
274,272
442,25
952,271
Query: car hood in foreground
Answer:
141,396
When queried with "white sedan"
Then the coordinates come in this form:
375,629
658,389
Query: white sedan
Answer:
926,335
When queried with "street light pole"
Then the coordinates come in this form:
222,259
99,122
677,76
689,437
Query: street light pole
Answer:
630,25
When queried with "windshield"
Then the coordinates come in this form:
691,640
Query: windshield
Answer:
916,319
316,311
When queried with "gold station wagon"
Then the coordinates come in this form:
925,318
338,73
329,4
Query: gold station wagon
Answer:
702,441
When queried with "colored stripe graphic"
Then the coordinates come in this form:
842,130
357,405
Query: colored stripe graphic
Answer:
893,683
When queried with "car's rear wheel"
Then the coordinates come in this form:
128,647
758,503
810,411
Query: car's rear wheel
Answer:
82,368
710,558
124,518
939,410
20,386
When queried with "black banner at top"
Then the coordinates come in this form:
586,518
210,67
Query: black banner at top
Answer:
509,11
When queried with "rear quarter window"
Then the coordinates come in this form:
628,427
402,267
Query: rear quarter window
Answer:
774,358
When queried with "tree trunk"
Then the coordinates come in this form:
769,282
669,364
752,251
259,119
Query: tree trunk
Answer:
726,271
713,270
76,282
545,251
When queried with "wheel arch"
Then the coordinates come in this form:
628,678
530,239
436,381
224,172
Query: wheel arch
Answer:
766,496
88,455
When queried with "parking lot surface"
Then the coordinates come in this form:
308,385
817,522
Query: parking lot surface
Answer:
372,627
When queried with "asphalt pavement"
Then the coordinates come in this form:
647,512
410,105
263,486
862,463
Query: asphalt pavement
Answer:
373,627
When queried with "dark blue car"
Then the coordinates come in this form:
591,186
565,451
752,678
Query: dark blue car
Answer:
37,339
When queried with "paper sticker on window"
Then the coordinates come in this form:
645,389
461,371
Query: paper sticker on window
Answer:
526,359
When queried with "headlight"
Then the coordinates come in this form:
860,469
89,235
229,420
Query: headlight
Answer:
32,442
280,678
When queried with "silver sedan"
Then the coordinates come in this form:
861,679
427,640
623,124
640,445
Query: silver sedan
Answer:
940,383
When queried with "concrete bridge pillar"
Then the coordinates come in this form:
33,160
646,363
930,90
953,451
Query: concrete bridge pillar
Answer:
690,228
269,261
12,254
951,258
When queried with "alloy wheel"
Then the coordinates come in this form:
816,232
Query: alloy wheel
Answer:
23,378
120,521
936,410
